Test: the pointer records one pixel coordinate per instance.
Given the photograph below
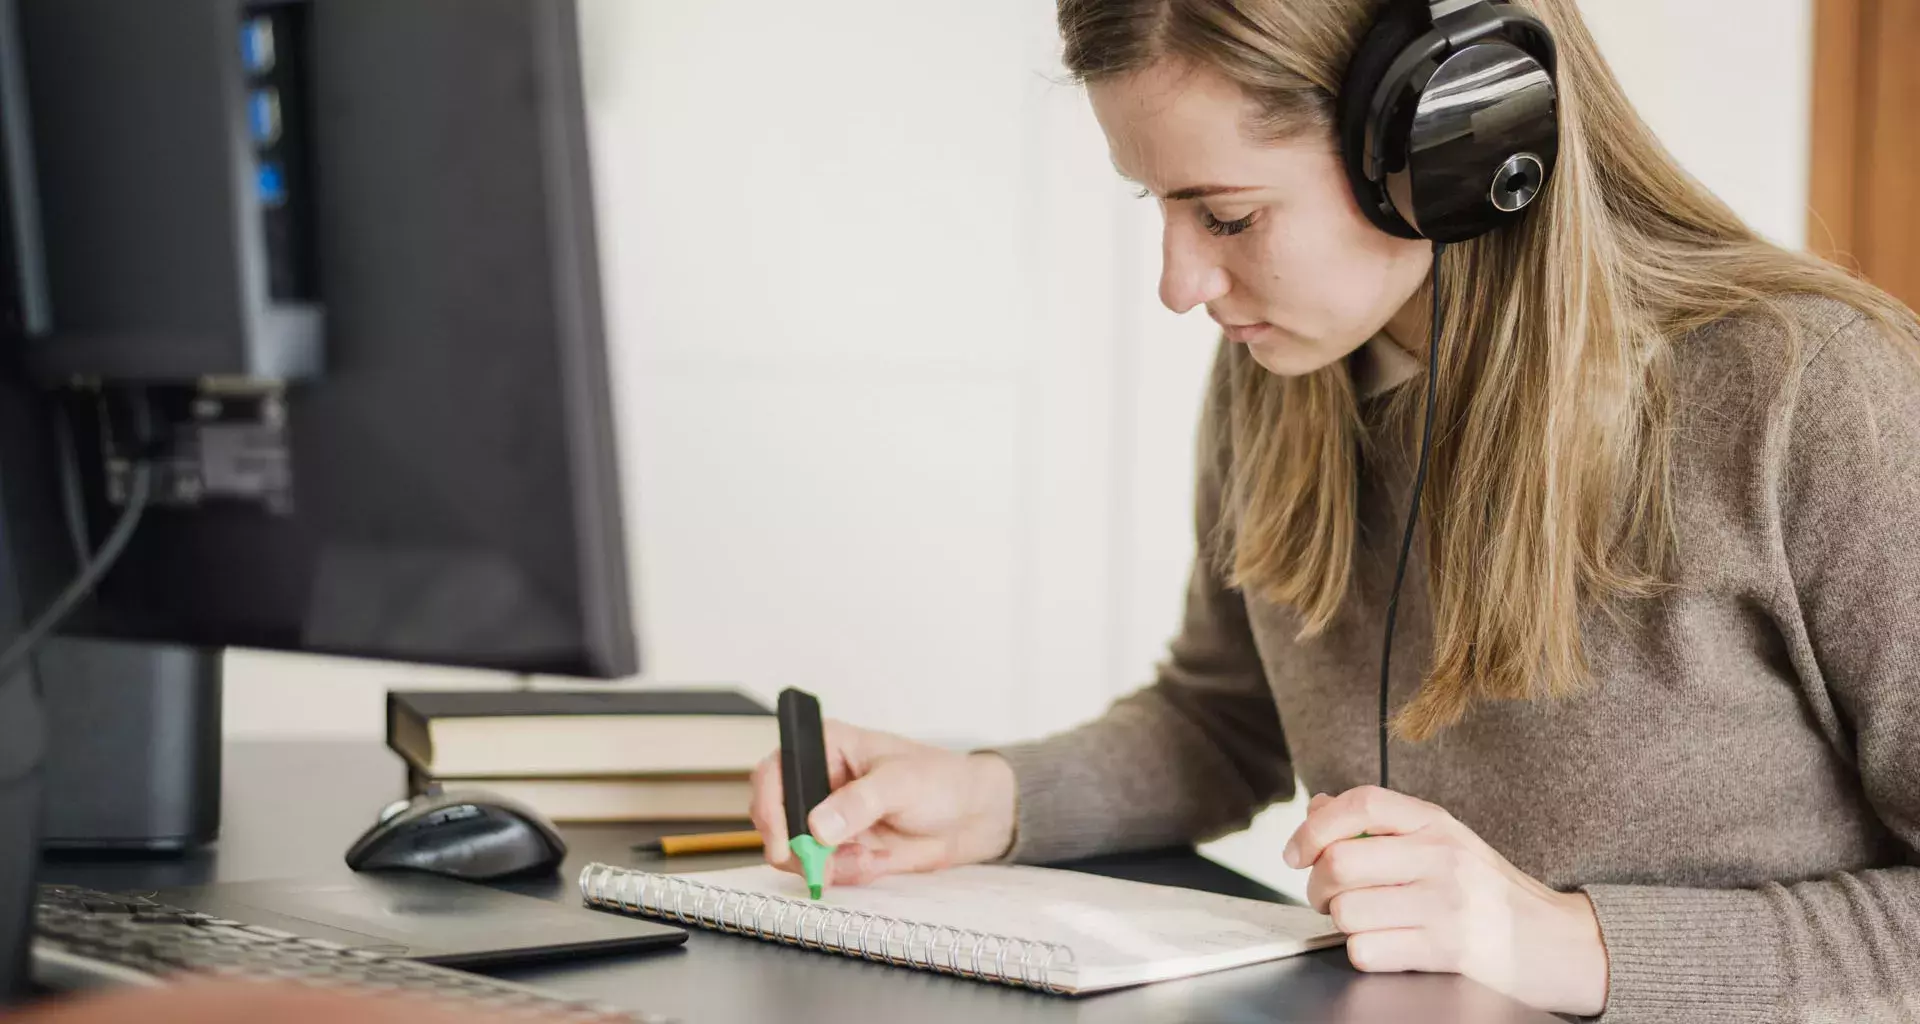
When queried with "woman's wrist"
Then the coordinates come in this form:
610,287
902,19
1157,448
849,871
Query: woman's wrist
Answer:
992,808
1586,979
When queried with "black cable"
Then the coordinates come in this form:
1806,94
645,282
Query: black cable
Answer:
72,503
90,574
1413,509
93,569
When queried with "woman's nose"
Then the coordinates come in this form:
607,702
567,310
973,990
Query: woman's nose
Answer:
1189,274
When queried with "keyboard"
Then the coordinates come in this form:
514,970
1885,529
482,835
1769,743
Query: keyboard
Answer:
84,938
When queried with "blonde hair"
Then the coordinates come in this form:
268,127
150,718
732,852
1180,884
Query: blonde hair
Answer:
1548,490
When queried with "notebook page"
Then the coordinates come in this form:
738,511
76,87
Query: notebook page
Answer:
1120,932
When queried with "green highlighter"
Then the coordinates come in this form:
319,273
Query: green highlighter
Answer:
803,774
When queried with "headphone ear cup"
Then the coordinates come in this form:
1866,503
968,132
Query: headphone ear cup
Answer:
1399,26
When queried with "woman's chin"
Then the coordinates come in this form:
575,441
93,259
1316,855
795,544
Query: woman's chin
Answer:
1285,356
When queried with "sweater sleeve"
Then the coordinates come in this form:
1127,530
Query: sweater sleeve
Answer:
1845,947
1193,755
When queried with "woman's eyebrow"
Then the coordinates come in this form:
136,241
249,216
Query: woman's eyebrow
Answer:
1206,191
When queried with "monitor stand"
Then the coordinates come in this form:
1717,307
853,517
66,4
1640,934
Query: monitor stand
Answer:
118,750
133,746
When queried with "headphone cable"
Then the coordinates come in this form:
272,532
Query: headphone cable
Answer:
1413,509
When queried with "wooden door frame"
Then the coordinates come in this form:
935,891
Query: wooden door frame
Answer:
1863,210
1839,92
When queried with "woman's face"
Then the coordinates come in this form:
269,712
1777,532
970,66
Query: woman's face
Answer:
1267,236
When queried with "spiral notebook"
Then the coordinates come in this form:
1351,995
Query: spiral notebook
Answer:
1057,931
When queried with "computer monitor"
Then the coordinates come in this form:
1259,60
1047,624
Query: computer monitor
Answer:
328,271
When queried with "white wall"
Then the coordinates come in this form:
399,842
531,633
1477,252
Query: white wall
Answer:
903,421
1728,85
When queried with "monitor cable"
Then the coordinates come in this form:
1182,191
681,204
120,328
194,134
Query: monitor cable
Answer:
100,561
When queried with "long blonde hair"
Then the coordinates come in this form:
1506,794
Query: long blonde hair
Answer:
1548,491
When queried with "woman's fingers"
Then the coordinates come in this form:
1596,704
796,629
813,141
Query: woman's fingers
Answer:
768,811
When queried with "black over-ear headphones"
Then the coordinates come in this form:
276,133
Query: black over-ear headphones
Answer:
1449,125
1448,117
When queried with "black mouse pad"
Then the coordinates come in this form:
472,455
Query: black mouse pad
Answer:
425,917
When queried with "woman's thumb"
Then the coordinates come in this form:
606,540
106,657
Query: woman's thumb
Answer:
856,806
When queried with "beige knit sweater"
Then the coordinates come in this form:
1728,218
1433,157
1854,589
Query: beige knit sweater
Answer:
1739,792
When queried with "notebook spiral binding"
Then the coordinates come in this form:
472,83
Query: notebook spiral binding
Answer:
975,955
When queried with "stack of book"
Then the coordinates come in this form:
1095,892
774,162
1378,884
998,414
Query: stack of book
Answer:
589,755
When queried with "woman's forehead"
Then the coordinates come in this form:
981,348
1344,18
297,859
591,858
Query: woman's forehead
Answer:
1173,128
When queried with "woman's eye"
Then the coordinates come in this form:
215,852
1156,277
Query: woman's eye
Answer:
1217,227
1214,225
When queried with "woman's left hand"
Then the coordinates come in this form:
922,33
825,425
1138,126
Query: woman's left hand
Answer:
1421,892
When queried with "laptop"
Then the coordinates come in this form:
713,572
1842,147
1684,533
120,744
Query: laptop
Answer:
425,917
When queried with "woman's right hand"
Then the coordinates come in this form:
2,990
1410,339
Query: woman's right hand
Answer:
897,806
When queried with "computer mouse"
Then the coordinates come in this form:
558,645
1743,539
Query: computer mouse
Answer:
467,833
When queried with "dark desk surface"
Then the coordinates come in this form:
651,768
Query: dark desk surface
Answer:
291,809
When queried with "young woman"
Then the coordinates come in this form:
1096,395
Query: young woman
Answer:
1656,681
